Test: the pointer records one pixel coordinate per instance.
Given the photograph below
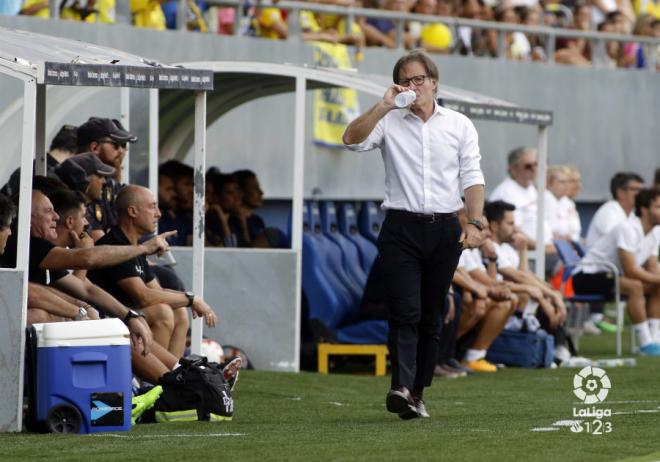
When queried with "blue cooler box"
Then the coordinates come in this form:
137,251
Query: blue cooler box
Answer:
83,376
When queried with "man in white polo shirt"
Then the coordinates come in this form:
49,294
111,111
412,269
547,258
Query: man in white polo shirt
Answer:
518,189
633,247
624,186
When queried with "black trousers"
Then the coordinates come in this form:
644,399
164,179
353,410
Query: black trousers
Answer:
417,259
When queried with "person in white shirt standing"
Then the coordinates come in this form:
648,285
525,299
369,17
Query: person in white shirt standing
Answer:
633,247
624,186
431,155
518,189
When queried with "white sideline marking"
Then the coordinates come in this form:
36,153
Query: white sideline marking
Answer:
544,429
335,403
295,398
181,435
637,411
565,423
632,402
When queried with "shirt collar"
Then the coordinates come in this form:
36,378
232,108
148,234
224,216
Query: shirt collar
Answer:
437,109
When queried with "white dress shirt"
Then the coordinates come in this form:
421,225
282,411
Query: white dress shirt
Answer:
525,201
569,214
627,235
607,217
426,163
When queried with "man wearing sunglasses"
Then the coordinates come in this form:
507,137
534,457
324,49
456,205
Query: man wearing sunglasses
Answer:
107,139
518,189
431,157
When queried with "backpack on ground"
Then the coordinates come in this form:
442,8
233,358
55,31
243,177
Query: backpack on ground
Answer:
194,391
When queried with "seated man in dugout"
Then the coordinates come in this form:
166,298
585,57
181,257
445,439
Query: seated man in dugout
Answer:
133,282
632,246
486,308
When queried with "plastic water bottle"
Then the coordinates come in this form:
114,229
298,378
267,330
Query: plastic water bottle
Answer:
405,98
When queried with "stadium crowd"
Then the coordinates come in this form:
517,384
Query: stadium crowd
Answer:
623,17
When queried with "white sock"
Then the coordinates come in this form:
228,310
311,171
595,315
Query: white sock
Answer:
654,326
474,355
597,317
643,333
531,307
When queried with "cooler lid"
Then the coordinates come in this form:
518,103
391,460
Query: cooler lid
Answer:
82,333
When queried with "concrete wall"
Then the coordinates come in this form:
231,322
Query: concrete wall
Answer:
604,119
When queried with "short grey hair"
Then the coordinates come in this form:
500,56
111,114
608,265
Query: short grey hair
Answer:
516,154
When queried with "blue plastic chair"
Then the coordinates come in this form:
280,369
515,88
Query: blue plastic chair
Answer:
350,252
329,301
571,260
370,220
348,227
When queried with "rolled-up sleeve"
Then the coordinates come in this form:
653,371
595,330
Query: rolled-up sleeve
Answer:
373,141
469,156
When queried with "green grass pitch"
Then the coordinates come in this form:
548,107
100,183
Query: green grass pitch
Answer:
342,417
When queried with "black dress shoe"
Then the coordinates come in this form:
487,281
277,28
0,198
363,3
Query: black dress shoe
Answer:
401,402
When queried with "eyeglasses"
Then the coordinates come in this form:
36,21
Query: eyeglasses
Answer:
417,80
530,166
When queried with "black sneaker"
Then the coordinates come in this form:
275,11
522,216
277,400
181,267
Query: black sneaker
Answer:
401,402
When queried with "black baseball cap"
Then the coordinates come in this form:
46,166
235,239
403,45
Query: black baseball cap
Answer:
97,128
75,171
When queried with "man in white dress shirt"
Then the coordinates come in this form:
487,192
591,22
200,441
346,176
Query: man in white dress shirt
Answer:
431,155
633,247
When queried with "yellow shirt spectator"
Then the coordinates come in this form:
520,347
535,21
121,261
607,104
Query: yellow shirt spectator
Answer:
651,7
72,11
271,24
148,14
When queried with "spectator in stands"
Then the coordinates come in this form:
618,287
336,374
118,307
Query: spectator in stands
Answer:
519,190
650,7
193,14
613,49
624,186
75,10
516,45
133,282
555,212
270,23
632,246
332,28
381,32
107,139
148,14
511,250
567,203
576,51
432,37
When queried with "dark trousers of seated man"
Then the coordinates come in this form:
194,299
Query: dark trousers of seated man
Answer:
417,260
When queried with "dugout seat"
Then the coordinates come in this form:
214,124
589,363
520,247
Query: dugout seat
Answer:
329,300
571,260
347,220
370,220
350,253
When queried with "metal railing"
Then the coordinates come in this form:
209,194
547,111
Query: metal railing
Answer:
548,35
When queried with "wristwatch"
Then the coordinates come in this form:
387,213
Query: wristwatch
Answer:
82,312
477,223
130,315
191,298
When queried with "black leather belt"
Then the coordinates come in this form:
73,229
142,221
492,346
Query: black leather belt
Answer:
420,217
